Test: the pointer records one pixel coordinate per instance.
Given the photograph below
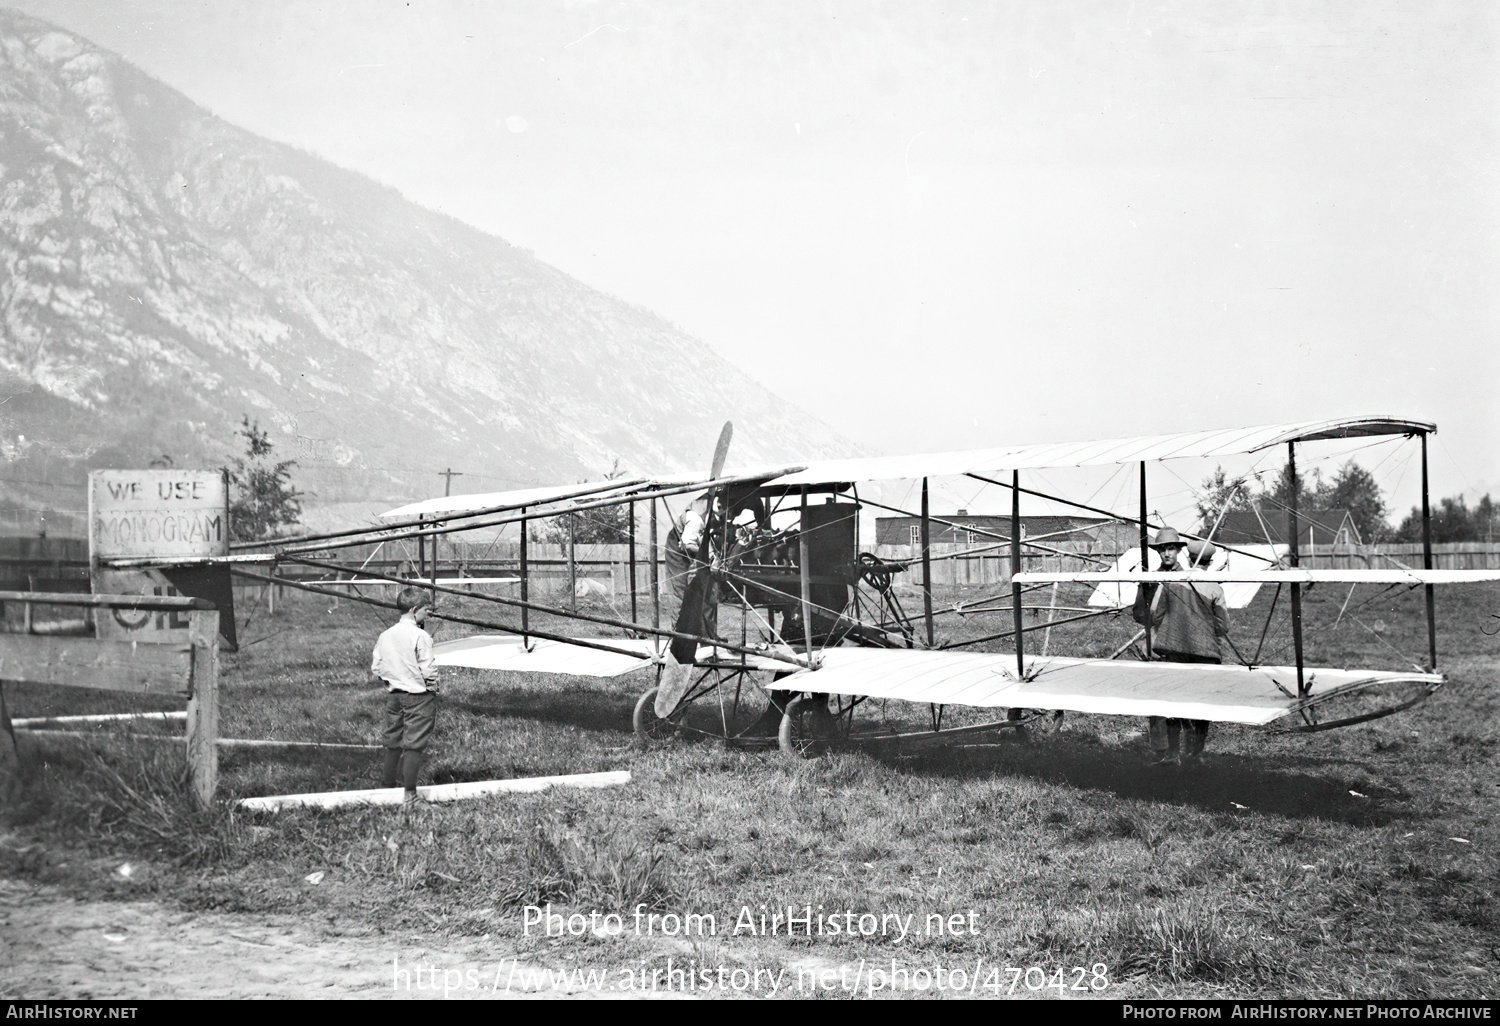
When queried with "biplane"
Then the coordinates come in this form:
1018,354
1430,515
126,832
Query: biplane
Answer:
823,631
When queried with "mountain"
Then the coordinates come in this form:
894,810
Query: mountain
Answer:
166,273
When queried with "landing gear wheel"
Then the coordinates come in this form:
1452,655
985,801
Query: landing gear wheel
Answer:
647,725
806,727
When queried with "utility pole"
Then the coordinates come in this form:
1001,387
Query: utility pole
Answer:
447,476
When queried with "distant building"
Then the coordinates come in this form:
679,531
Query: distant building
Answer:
30,563
964,528
1317,527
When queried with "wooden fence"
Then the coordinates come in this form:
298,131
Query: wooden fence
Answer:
185,665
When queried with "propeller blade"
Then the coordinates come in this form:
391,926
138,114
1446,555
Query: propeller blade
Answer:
674,683
690,617
721,451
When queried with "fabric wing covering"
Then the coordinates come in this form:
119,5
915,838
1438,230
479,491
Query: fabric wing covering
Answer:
507,652
511,653
1144,448
1230,694
1392,575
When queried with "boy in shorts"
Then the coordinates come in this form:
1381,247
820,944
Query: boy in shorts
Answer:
403,660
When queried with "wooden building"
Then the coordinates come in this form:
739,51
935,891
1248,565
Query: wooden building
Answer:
1316,527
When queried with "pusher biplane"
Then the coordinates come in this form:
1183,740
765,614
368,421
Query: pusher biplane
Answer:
822,630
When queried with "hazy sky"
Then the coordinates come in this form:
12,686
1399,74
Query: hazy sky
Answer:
943,225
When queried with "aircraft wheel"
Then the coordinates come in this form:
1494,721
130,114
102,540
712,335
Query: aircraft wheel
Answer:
804,727
649,726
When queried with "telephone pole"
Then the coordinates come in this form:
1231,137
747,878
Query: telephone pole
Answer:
447,476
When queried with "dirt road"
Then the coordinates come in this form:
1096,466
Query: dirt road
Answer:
52,946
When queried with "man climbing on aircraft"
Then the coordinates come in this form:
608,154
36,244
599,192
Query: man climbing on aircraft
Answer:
687,549
1186,622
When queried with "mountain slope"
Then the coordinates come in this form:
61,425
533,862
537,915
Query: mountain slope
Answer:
165,273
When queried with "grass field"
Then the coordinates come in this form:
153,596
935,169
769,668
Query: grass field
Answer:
1361,862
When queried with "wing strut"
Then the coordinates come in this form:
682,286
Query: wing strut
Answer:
655,572
805,572
1427,564
1292,530
926,563
525,585
1145,555
630,529
1015,568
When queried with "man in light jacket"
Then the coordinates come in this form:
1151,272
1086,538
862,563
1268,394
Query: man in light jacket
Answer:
404,662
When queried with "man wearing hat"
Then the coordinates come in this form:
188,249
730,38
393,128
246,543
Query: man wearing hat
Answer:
1186,621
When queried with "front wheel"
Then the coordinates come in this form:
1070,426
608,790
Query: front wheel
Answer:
806,727
647,725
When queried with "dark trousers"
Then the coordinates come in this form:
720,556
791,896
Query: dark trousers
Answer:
1168,735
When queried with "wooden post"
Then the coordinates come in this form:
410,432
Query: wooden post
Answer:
572,568
433,572
1015,568
525,582
203,706
10,758
1145,555
804,570
421,551
1292,532
655,573
926,562
631,532
1427,564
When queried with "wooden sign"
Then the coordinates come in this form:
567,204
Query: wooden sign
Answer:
158,513
161,514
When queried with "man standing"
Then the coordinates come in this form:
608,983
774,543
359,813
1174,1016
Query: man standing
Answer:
1187,621
403,660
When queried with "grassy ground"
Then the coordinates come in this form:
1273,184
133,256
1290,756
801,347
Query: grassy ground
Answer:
1299,865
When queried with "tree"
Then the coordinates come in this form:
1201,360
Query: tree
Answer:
1354,489
1221,493
604,525
1453,521
265,500
1312,492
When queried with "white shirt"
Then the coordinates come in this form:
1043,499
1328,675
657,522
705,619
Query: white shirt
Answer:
403,658
690,530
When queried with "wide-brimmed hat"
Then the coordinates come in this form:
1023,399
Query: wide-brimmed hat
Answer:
1167,536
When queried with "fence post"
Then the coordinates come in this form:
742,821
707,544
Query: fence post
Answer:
10,762
203,706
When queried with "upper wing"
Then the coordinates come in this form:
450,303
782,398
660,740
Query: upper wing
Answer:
1145,448
516,497
1194,691
619,489
1148,448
